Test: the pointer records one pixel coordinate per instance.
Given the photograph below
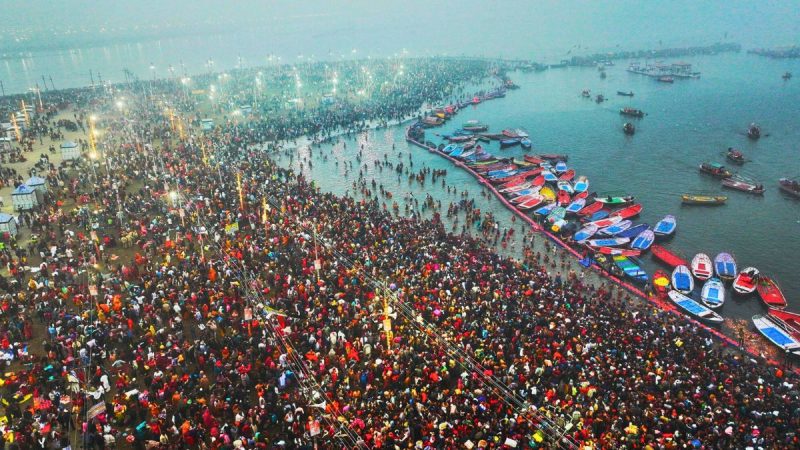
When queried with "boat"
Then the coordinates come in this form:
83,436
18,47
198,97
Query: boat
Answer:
531,202
777,333
538,181
586,93
526,143
725,266
682,279
630,211
703,200
521,198
533,159
613,230
432,121
565,186
607,222
702,268
599,215
791,187
556,214
608,242
735,156
661,282
616,201
515,186
545,210
558,224
567,176
599,98
590,209
666,226
554,157
563,197
740,184
713,293
666,79
548,193
630,268
790,319
617,251
634,231
561,167
694,308
585,233
643,241
667,256
474,125
754,131
715,170
581,184
632,112
787,76
549,176
628,128
576,206
745,281
769,292
514,133
505,143
625,94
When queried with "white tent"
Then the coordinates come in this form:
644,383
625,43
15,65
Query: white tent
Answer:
8,224
70,150
24,198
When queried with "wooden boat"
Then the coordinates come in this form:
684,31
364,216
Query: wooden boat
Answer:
661,283
607,222
745,281
705,200
513,190
778,333
505,143
630,211
599,215
526,143
754,131
791,320
632,112
576,206
629,129
564,185
613,230
769,292
643,241
715,170
524,197
630,268
585,233
560,167
608,242
634,231
554,157
682,279
694,308
713,293
525,192
666,79
735,156
563,198
625,94
702,268
567,176
538,181
725,266
533,159
617,251
667,257
616,201
791,187
666,226
549,176
457,152
581,184
545,210
432,121
548,193
532,202
590,209
474,125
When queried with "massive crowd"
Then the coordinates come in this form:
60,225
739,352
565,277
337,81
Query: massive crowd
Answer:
248,309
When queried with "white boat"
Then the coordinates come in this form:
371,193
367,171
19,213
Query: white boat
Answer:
694,308
702,268
585,233
745,281
682,279
777,333
713,293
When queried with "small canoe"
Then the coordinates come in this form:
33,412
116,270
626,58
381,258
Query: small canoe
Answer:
743,185
526,143
548,193
682,279
643,241
630,268
567,176
702,267
694,308
533,201
585,233
618,251
581,184
769,292
576,206
666,226
616,201
630,211
725,266
777,333
713,293
790,319
613,230
564,185
561,167
607,222
668,257
703,200
745,281
608,242
590,209
661,283
634,231
545,210
549,176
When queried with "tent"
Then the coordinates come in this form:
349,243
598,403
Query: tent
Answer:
24,198
8,224
70,150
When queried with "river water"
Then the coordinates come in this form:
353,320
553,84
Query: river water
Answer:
688,122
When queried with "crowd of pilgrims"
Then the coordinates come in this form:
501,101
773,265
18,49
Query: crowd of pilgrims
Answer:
249,312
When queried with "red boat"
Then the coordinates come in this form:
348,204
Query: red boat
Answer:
568,175
770,293
511,184
538,181
790,319
563,198
533,159
667,257
617,251
661,282
630,211
584,194
590,209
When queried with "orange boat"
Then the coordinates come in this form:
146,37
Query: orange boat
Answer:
770,293
667,257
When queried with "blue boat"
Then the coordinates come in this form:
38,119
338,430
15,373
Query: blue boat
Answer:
778,333
549,176
618,227
643,241
692,307
501,173
631,268
509,142
545,210
608,242
665,226
585,233
725,266
682,279
581,184
526,143
457,152
713,293
561,167
634,231
449,148
576,206
599,215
